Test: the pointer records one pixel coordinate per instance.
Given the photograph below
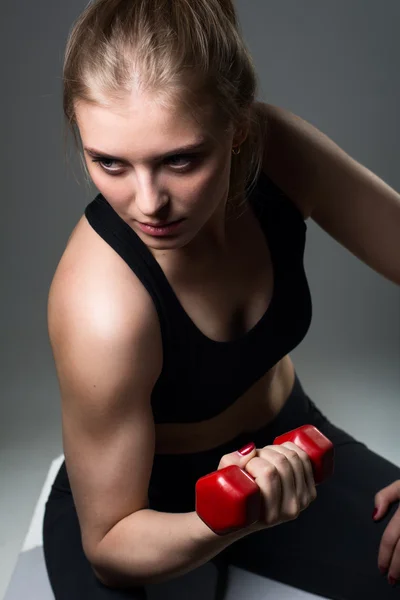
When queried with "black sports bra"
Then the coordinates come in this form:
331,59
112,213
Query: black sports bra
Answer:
202,377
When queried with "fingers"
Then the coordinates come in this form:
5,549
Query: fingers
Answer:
389,549
385,497
235,458
394,569
268,477
293,459
308,476
284,475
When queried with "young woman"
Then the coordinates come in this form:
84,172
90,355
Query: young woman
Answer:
174,308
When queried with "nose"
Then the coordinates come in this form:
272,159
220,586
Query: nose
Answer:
149,199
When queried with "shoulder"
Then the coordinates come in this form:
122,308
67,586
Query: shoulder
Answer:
94,288
280,128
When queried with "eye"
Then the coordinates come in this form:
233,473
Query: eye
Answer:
105,165
186,161
179,162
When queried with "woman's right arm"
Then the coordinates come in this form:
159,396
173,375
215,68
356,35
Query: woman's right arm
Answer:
107,348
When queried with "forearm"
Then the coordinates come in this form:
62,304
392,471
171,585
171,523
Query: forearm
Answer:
151,547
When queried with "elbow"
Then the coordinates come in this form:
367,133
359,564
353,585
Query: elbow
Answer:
106,577
101,577
114,581
106,574
99,572
97,564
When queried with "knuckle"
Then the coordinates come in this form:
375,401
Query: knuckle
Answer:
293,513
269,472
302,454
294,509
274,477
272,516
292,454
310,494
281,460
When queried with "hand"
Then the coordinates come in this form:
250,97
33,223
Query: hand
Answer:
284,474
389,550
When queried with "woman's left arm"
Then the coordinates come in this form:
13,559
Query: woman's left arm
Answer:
346,199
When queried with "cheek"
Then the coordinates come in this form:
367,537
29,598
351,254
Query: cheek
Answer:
217,182
115,189
212,184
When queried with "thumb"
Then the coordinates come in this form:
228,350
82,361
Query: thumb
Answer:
240,457
385,498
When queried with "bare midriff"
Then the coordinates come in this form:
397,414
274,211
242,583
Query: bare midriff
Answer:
252,411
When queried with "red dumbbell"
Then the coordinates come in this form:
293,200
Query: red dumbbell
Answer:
229,499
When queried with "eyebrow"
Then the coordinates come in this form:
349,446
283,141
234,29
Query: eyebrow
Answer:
183,149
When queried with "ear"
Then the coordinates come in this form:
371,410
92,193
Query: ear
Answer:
241,132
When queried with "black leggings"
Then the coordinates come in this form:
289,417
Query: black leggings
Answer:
331,549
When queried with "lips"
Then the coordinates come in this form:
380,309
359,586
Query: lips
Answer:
161,224
160,231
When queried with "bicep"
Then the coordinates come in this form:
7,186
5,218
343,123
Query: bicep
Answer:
106,375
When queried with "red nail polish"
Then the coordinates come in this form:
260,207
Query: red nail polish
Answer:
383,570
392,581
247,449
374,513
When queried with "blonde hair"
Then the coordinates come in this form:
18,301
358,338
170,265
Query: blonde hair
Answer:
176,49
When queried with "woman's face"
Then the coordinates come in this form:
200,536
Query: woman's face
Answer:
136,156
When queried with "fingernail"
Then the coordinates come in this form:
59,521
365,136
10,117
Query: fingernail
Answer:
383,570
374,513
392,581
247,449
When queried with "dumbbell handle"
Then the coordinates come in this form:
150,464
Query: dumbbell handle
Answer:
230,499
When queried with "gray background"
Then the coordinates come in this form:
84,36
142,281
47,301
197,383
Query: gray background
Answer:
336,65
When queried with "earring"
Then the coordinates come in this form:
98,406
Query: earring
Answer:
236,150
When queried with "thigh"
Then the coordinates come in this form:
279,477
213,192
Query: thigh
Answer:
331,549
69,571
